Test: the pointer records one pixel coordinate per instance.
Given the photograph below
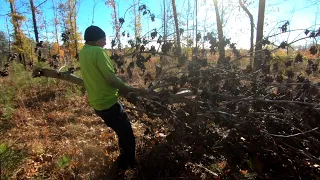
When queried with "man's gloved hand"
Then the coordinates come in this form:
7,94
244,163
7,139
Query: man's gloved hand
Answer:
151,95
132,97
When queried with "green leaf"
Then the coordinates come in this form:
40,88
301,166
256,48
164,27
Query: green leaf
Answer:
3,148
64,161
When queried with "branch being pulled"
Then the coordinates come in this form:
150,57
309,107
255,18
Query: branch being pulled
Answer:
66,75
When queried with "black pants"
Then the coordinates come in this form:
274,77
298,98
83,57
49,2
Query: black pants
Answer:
117,119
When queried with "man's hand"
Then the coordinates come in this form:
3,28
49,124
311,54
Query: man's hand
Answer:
133,94
151,95
132,97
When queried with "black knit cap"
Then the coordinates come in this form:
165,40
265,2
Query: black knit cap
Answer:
94,33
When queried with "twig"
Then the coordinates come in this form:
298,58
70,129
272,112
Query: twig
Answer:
293,135
206,169
268,114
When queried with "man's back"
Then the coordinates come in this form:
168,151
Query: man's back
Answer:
95,68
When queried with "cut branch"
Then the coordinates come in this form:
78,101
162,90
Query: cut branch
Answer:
67,76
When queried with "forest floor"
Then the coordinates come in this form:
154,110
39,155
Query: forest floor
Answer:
53,135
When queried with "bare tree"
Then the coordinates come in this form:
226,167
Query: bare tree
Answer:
164,22
258,54
35,27
112,4
251,29
177,27
220,35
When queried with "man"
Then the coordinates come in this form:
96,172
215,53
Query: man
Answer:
103,88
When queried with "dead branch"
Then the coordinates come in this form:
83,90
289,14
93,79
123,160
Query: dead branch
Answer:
293,135
67,76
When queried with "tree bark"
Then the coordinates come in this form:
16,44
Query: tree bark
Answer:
177,27
258,54
221,49
251,29
35,27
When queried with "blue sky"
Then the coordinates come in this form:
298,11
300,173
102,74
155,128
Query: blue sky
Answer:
301,14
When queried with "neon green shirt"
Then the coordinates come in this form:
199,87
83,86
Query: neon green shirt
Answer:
97,71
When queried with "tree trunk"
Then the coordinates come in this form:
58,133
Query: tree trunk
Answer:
177,27
35,28
196,50
75,32
116,27
220,35
116,24
188,22
15,24
164,22
251,29
258,54
9,39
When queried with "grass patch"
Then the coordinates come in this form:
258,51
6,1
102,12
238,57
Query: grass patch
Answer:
9,160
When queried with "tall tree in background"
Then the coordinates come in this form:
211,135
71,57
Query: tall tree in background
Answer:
220,34
68,14
74,27
251,29
258,54
8,32
116,27
4,48
178,44
196,16
137,18
188,15
164,21
3,43
16,20
35,28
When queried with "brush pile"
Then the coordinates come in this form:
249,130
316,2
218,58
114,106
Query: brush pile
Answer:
270,118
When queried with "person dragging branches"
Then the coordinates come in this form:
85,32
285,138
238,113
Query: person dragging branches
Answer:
104,88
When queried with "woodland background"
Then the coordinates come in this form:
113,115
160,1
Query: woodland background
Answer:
221,112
